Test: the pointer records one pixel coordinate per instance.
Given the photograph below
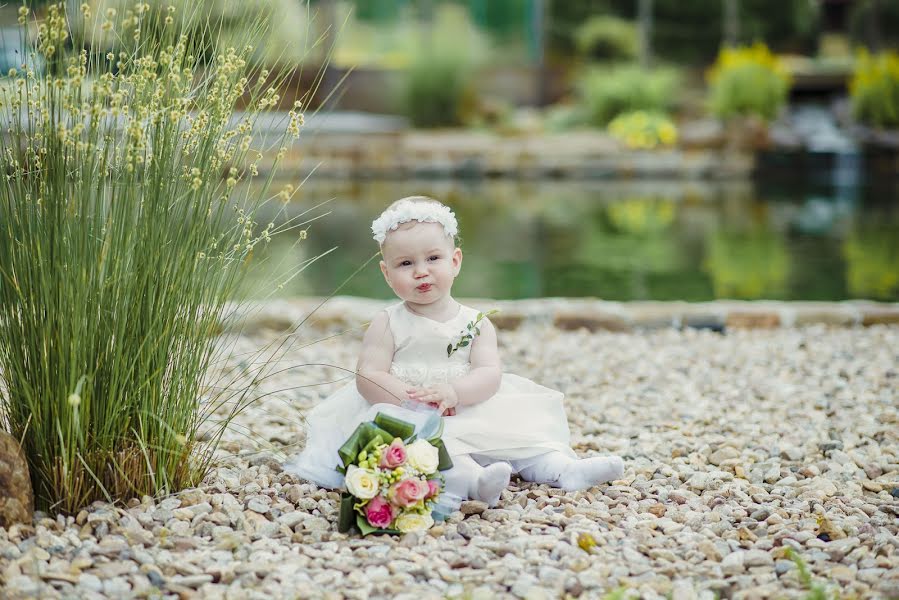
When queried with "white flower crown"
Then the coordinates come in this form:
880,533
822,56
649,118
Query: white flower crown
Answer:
423,212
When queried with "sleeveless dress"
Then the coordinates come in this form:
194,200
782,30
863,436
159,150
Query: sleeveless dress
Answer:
522,421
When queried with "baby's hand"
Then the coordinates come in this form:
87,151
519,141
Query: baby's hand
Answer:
442,397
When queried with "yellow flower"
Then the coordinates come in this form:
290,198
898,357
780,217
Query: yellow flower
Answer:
586,542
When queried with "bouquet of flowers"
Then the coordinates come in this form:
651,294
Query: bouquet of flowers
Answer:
392,475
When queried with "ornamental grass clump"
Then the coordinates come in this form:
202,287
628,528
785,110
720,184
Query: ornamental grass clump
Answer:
748,81
874,89
122,237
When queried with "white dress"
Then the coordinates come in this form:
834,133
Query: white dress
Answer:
521,421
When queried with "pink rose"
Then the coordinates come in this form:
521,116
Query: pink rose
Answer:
408,491
393,455
379,513
433,488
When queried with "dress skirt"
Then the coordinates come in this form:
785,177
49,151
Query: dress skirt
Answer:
521,421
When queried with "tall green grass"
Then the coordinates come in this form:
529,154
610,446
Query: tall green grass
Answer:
121,240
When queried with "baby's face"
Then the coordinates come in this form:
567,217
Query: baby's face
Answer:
420,262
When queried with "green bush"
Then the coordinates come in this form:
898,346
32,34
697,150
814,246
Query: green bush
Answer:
874,89
121,240
436,87
747,81
608,92
607,38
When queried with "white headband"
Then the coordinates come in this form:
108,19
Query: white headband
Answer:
406,210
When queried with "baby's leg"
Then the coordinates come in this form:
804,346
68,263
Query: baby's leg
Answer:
468,479
571,474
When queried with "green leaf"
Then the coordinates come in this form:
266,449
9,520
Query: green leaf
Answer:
346,519
360,439
444,460
463,343
396,427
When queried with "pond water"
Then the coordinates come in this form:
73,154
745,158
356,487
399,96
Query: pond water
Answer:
627,240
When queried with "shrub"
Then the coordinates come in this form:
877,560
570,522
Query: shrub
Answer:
608,92
439,79
641,129
436,87
874,89
747,81
607,38
120,242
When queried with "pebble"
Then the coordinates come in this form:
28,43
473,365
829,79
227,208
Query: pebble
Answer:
701,511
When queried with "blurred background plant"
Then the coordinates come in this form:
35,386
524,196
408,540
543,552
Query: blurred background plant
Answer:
607,92
607,39
746,81
874,88
438,87
643,130
123,237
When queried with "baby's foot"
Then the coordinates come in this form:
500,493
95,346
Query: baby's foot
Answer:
587,472
492,481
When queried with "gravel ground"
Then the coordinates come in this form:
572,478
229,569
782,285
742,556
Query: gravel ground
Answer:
737,447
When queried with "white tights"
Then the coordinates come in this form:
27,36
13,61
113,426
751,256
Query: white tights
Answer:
468,479
570,474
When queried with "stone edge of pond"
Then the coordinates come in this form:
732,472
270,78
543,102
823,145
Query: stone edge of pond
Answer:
576,313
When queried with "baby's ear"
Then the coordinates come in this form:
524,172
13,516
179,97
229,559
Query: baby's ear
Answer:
384,271
457,260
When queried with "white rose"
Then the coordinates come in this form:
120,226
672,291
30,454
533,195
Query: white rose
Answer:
361,483
413,522
422,456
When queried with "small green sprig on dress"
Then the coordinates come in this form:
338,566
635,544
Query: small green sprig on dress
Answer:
471,330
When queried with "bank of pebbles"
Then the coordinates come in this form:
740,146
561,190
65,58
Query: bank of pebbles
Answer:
737,447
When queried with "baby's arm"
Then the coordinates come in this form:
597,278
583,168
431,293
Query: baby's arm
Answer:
373,378
481,383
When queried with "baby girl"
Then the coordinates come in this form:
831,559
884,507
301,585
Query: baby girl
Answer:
429,352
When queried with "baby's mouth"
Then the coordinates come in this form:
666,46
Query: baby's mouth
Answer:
424,287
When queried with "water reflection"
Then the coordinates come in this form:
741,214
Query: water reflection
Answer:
615,240
872,261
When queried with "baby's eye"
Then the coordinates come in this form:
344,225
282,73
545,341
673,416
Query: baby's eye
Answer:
435,257
405,263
